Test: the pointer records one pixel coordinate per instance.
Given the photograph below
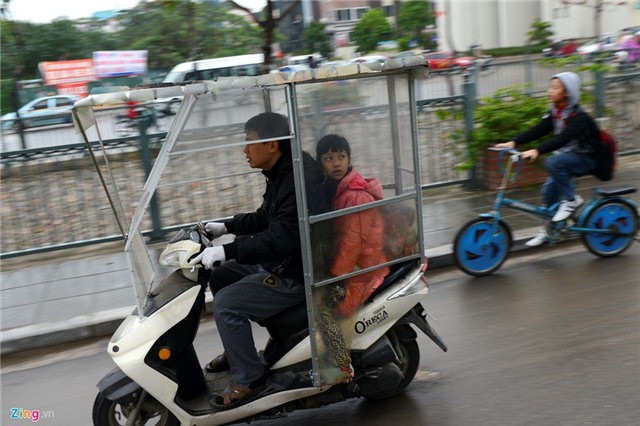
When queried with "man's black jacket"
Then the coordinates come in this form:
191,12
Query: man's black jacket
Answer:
270,236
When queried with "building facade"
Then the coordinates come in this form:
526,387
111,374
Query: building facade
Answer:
505,23
461,24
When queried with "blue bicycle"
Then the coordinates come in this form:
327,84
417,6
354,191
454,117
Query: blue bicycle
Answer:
608,224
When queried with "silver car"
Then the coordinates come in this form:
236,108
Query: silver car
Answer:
41,112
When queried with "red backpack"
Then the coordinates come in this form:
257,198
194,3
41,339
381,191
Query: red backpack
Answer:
606,156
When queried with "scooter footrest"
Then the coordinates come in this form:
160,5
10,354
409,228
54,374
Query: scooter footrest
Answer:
616,192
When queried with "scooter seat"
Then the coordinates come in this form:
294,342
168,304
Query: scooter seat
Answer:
294,318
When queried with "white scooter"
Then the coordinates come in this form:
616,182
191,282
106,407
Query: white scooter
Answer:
159,377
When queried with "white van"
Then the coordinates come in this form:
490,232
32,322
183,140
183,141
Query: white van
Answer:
304,59
208,69
212,69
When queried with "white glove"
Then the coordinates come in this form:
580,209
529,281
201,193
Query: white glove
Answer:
215,229
209,256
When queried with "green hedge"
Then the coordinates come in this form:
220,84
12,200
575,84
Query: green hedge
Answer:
516,50
6,90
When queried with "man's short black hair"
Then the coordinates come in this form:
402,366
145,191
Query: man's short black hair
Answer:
271,125
334,143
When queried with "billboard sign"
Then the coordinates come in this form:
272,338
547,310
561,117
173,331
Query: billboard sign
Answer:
70,77
119,63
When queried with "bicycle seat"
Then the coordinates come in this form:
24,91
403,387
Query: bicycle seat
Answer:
615,192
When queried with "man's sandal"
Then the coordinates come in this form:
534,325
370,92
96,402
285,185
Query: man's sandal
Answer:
234,395
217,364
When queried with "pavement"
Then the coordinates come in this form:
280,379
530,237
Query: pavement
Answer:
67,296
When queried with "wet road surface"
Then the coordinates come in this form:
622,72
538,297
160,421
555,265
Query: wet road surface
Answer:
552,338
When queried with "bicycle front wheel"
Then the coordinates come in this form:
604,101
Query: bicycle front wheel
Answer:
481,246
619,218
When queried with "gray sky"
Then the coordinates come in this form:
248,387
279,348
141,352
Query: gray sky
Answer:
41,11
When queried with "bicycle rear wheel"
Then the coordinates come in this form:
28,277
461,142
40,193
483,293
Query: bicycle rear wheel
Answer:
616,216
476,253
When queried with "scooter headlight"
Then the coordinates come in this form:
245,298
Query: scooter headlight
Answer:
173,259
178,254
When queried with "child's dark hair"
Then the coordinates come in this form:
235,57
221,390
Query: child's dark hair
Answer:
334,143
271,125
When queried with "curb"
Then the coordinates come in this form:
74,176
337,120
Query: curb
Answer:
105,323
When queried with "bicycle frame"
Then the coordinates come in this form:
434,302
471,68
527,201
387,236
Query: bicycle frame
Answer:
545,213
607,224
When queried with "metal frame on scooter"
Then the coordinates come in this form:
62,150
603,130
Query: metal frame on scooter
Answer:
393,308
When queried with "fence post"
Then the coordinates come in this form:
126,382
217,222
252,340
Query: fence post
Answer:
143,124
528,70
599,77
469,92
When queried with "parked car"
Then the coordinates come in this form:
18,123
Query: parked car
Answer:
41,112
561,48
371,59
607,42
291,68
406,54
443,60
337,63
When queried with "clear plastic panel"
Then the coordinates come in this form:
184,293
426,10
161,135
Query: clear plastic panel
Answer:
374,222
141,268
206,175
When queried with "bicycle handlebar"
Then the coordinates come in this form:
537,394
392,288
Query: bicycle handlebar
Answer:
516,156
512,151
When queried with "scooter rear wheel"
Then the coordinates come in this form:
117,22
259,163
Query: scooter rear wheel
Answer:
111,413
409,361
616,216
478,255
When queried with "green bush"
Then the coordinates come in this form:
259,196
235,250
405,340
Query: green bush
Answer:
6,91
403,43
503,116
497,119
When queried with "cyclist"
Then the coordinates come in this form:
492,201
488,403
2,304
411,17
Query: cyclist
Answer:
574,147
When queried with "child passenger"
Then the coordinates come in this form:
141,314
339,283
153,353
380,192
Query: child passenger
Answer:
359,235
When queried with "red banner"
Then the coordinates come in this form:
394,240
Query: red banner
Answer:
67,72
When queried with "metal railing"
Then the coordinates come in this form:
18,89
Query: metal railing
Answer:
52,198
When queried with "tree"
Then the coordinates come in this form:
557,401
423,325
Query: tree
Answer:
268,24
173,33
372,29
413,17
316,39
540,32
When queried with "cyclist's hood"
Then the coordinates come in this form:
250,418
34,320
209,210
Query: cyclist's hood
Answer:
571,83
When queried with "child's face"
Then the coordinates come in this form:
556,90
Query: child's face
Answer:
557,94
335,164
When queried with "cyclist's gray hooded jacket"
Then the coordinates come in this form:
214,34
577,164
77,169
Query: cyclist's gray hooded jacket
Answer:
574,130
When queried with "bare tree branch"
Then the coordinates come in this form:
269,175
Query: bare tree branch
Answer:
286,11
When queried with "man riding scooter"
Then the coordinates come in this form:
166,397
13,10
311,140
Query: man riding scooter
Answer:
261,272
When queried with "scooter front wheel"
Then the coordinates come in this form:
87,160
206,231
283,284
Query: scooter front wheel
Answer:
480,247
111,413
617,217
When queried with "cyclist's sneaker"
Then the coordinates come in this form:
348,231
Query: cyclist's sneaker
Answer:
567,208
541,238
